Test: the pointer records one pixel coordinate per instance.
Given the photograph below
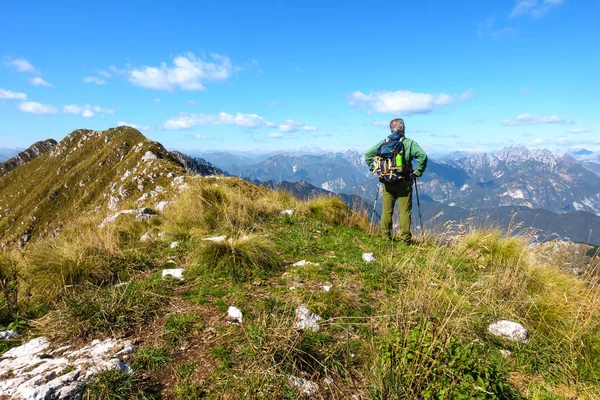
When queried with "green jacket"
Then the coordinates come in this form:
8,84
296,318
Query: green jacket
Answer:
412,150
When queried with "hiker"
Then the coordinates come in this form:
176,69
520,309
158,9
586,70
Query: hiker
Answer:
392,159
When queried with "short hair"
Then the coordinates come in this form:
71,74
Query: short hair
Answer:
397,125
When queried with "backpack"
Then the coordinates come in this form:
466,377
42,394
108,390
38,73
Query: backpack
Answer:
390,161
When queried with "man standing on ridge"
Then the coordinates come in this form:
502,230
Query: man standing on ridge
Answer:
392,159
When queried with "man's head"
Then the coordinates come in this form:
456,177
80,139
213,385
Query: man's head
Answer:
397,125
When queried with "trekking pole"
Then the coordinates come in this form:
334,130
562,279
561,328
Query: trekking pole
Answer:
374,208
419,205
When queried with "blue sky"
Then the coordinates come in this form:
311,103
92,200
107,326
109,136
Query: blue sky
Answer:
465,75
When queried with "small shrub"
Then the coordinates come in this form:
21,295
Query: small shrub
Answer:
238,259
150,358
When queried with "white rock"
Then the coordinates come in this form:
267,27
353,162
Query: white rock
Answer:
146,237
306,319
305,386
505,353
509,330
287,212
303,263
215,239
34,375
368,257
149,156
174,245
327,288
8,335
161,205
114,217
234,315
176,273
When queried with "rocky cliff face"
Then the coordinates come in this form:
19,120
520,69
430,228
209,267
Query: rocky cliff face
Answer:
36,150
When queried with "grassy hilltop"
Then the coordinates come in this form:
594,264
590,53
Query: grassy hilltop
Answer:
412,324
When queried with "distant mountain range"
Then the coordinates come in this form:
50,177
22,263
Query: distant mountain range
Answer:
556,195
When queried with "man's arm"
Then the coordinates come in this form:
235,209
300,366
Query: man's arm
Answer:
369,155
418,153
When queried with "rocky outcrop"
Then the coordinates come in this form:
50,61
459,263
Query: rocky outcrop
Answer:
36,150
197,166
36,370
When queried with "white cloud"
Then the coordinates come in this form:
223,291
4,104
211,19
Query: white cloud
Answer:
87,110
20,64
276,135
404,102
535,8
38,81
530,119
32,107
9,95
380,123
93,79
187,73
291,126
580,130
136,126
188,121
104,74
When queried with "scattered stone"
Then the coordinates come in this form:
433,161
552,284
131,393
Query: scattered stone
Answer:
174,245
149,156
505,353
234,315
509,330
328,381
306,319
215,239
287,212
144,214
368,257
303,263
327,288
305,386
176,273
161,205
12,334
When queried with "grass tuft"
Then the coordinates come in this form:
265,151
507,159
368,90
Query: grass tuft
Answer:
237,258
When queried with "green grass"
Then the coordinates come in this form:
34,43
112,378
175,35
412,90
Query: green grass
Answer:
239,259
180,327
115,310
412,324
150,358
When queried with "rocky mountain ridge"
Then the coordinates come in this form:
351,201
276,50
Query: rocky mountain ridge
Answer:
88,172
34,151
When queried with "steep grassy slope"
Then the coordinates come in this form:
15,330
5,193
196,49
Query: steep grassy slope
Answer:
88,172
412,324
